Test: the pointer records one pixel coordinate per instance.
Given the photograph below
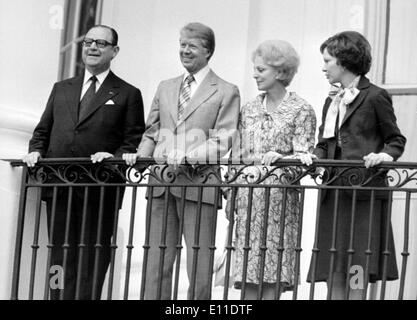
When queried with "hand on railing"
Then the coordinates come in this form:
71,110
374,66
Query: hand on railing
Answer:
100,156
270,157
374,159
306,158
31,159
130,158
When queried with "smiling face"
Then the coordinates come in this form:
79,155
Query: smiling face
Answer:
264,74
193,55
333,70
97,59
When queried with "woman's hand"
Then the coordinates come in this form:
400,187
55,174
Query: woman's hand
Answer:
130,158
271,157
306,158
374,159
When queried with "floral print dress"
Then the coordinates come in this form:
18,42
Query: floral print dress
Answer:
288,130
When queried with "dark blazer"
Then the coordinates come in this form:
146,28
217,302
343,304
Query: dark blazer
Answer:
369,126
115,128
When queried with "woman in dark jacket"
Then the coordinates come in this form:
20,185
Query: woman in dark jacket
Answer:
358,123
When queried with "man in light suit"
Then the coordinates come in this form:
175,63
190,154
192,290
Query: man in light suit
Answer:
95,114
198,123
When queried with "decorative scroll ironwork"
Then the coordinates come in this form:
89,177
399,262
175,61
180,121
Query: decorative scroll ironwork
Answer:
75,173
289,172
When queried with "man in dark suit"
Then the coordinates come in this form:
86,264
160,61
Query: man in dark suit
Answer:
97,115
194,115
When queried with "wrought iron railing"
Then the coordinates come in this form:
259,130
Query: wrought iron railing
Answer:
226,177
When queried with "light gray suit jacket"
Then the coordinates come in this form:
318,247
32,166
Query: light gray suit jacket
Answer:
206,131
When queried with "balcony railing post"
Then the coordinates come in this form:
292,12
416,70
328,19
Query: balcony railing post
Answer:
212,246
179,243
405,252
19,235
51,242
315,250
333,250
368,251
130,246
35,243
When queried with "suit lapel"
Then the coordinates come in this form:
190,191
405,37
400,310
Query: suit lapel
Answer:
174,94
206,89
107,91
72,95
363,87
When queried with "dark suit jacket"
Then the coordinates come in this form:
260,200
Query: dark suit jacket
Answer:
369,126
115,128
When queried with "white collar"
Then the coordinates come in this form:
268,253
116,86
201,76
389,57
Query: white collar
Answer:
199,75
100,77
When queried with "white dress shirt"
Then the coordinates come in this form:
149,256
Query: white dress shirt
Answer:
87,82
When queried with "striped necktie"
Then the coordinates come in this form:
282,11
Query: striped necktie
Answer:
185,95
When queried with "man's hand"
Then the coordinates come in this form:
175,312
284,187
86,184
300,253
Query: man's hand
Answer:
374,159
100,156
31,159
130,158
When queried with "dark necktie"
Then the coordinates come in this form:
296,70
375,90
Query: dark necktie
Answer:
87,98
185,95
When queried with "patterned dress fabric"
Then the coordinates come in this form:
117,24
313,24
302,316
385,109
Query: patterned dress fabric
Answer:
288,130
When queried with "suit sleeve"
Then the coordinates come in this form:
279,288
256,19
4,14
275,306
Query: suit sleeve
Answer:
150,137
321,148
42,132
134,124
224,133
394,141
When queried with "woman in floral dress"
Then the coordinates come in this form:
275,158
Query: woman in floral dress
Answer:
275,124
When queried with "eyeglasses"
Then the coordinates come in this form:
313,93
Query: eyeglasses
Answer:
87,42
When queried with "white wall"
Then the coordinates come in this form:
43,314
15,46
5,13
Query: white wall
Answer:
30,38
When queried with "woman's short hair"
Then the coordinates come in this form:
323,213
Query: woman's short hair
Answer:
202,32
351,49
281,55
